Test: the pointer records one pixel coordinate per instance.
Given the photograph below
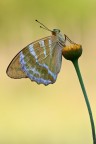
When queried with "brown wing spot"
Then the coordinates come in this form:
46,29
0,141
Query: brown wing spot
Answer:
14,70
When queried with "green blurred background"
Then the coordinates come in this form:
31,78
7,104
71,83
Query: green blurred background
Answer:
56,114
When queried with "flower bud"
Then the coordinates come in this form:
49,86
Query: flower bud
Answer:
72,52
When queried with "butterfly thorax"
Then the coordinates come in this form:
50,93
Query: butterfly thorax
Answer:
59,37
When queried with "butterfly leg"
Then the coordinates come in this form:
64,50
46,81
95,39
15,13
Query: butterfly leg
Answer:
66,38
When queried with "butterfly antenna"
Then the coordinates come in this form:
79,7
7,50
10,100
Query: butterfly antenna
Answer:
44,27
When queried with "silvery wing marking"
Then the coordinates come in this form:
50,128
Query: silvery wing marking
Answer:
40,67
40,61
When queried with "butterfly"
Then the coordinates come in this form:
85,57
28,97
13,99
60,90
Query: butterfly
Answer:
40,61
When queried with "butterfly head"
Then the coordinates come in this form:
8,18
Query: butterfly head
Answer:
55,32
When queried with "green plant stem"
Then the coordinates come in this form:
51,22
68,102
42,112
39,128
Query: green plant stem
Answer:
76,65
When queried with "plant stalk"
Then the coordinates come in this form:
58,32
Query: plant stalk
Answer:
76,65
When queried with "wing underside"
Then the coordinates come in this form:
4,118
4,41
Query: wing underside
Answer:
40,61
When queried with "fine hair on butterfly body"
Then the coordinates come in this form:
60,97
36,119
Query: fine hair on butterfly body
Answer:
40,61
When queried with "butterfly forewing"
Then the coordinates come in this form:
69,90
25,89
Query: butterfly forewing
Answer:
40,61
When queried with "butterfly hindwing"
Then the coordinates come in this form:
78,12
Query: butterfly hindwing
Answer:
40,61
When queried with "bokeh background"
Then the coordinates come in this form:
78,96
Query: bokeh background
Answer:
55,114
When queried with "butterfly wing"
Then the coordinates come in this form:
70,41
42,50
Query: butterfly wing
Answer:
14,69
40,61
